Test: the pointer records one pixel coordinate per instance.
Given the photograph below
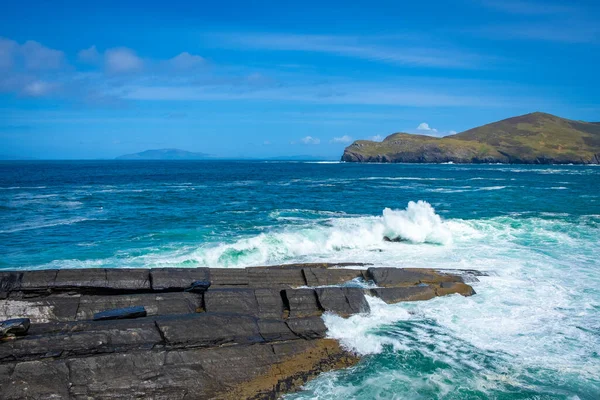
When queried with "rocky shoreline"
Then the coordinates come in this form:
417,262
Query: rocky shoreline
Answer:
197,333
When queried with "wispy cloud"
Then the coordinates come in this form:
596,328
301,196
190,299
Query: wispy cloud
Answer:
342,139
522,7
39,88
376,138
376,49
8,49
186,61
122,60
89,55
38,57
119,75
31,55
343,93
307,140
555,31
528,7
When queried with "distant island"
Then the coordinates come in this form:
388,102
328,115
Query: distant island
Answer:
177,154
10,157
536,138
164,154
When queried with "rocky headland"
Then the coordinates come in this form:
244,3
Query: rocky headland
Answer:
197,333
536,138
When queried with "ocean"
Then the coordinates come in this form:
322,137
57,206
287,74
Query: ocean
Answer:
531,332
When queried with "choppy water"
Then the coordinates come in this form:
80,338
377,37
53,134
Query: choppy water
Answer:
531,332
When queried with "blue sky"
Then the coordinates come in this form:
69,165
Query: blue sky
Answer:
272,78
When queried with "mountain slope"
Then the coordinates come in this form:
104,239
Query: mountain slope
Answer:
536,138
164,154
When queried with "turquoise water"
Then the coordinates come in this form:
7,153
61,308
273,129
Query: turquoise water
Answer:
531,332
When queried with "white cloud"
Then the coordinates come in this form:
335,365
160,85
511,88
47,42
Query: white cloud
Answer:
342,139
424,126
122,60
90,55
528,7
309,140
38,88
376,138
375,49
186,60
452,132
38,57
7,51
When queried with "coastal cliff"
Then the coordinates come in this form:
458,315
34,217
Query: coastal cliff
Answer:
197,333
535,138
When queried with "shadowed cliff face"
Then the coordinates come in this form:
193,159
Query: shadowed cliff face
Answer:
535,138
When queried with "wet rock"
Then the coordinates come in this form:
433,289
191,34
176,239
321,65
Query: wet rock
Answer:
396,239
344,301
208,329
302,302
9,281
41,309
467,275
432,276
270,303
241,301
275,330
14,327
412,293
121,313
325,277
107,337
275,277
447,288
128,280
307,328
394,277
198,287
229,277
38,281
259,337
177,279
154,303
37,380
137,375
80,279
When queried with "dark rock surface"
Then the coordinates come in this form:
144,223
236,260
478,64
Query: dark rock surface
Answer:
398,294
394,277
343,300
302,302
121,313
241,333
14,327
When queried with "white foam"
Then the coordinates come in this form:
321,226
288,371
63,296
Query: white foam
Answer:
356,333
537,311
418,223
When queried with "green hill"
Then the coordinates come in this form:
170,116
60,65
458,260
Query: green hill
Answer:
535,138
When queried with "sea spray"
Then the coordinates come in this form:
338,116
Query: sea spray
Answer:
330,237
418,223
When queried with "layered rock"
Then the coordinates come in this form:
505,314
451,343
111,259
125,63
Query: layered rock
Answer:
188,333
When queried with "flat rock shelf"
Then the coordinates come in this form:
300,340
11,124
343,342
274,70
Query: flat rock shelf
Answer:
190,333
